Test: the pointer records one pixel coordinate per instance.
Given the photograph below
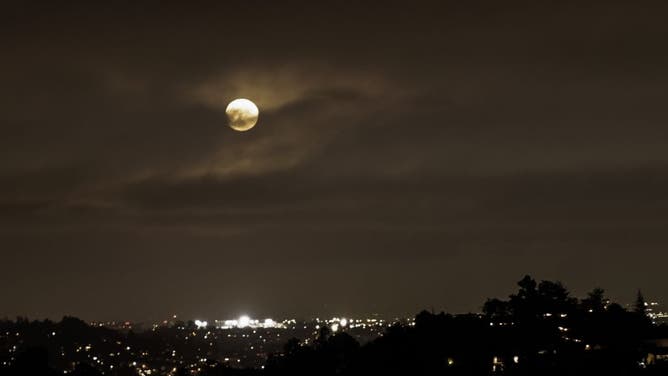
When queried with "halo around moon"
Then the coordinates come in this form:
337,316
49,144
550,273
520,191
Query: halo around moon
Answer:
242,114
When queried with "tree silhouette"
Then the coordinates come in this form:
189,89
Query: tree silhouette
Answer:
595,302
640,306
539,330
496,310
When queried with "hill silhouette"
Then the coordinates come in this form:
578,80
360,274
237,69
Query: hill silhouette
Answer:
538,330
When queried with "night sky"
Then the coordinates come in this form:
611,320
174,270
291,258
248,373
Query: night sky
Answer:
408,155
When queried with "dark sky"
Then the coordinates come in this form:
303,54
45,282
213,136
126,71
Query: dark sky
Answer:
408,155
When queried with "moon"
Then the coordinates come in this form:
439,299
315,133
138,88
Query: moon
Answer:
242,114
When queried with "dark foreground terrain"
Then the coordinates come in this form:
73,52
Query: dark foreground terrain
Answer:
539,330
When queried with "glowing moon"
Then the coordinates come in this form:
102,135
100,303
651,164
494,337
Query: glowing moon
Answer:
242,114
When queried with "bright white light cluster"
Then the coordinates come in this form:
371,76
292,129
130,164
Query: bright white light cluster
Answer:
247,322
337,323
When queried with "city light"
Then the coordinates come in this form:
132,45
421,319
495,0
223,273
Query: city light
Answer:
244,321
269,323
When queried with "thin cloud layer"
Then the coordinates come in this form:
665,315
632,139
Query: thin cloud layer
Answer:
397,147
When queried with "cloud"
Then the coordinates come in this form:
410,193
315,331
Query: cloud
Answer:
410,139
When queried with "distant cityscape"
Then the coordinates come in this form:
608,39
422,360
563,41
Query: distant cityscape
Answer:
195,346
162,347
657,313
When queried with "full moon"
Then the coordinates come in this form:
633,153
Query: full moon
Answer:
242,114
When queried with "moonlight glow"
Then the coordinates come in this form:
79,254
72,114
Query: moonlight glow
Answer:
242,114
